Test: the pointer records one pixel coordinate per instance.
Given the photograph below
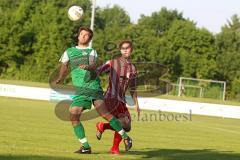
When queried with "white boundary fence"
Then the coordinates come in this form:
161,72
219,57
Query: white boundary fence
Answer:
219,110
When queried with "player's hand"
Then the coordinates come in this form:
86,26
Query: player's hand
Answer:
83,66
138,111
57,81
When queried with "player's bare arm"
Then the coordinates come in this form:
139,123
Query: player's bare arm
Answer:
62,72
135,100
90,67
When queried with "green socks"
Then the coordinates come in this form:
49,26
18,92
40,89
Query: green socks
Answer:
80,133
116,125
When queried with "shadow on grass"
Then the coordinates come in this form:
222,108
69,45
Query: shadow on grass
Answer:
37,157
147,153
180,154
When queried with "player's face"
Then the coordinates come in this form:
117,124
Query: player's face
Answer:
83,37
126,50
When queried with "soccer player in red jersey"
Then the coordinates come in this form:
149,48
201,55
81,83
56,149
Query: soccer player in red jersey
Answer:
122,75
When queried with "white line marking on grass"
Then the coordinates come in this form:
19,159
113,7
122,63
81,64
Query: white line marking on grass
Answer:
217,128
225,130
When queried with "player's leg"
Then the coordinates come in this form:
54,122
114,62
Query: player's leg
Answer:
114,122
75,113
111,105
101,127
125,120
119,110
126,124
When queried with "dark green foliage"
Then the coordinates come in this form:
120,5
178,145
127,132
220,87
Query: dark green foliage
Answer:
228,60
33,36
35,33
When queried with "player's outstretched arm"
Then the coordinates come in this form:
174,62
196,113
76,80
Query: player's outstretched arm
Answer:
104,68
90,67
62,72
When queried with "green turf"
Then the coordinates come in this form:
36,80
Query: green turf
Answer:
30,130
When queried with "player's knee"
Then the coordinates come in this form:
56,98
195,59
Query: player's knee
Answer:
127,128
75,118
107,116
75,123
126,124
76,110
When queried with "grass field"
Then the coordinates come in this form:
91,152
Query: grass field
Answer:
30,130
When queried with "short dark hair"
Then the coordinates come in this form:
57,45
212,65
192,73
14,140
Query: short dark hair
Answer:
126,41
86,29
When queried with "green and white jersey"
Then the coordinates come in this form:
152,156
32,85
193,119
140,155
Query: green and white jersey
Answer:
79,55
85,82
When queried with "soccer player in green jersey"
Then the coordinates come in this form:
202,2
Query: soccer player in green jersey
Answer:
82,62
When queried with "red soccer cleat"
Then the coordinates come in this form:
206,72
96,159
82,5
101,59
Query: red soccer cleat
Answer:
115,151
100,130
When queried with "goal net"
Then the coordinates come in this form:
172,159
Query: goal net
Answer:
202,88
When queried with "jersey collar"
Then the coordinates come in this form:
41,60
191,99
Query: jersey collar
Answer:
82,47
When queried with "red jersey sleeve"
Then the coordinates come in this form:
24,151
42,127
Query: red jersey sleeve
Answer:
133,80
105,67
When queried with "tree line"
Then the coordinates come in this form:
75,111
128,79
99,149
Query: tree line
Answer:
35,33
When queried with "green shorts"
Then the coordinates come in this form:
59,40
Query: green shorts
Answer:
83,101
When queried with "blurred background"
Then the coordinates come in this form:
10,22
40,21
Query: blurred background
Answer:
35,33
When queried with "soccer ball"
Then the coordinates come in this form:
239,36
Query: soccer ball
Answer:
75,13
